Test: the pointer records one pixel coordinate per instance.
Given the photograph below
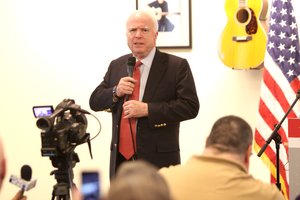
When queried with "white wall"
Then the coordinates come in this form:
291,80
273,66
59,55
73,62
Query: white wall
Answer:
51,50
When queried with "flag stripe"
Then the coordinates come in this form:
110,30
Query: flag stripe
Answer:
277,92
261,140
295,84
269,117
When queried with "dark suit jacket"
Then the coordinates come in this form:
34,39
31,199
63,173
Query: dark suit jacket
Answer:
171,96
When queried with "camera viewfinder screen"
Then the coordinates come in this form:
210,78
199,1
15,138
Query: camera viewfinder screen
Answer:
42,111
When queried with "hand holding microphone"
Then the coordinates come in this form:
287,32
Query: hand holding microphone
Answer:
24,183
126,84
19,196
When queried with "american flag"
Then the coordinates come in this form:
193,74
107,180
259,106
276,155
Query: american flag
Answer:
279,87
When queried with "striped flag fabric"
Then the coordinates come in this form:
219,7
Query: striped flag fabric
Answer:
280,84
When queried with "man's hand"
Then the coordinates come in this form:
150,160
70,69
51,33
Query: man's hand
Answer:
133,108
125,86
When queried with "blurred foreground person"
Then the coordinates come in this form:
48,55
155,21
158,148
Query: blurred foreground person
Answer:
19,195
138,180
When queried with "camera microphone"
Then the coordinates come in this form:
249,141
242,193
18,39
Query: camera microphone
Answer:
77,108
24,183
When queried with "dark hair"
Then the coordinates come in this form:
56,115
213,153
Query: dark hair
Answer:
230,134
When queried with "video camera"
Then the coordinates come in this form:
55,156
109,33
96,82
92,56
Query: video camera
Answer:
63,129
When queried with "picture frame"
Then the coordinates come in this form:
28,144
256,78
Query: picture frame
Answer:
174,20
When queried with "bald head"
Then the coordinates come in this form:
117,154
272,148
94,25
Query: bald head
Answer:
146,14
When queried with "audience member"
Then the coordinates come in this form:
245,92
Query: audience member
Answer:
138,180
2,164
221,172
19,195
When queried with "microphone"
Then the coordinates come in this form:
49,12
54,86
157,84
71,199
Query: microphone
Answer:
24,182
26,172
130,66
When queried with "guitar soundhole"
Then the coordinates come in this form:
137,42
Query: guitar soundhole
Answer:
242,15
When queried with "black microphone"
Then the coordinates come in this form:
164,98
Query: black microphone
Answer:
24,183
130,66
26,172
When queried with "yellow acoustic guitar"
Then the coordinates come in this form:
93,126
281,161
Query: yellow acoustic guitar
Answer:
243,42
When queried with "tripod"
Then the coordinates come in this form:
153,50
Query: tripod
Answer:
63,175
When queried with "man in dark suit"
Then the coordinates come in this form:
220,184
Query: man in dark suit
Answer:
167,96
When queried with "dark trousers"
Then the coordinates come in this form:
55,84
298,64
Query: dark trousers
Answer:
121,159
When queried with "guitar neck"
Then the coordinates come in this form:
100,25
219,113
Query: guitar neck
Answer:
170,13
242,3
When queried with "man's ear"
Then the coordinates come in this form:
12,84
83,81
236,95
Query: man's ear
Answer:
206,142
250,150
247,156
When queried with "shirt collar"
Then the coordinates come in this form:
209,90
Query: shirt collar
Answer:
147,61
219,160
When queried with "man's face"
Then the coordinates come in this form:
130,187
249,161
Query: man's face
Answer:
141,35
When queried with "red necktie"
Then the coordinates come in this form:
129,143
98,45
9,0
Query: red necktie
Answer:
127,143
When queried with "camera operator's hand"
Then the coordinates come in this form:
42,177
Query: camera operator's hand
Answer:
19,196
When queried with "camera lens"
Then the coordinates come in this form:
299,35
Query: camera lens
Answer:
43,123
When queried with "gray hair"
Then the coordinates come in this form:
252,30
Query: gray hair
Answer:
147,12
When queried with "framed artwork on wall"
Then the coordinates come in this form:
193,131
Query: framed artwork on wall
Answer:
174,21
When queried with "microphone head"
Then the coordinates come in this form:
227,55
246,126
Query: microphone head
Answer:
131,61
26,172
130,65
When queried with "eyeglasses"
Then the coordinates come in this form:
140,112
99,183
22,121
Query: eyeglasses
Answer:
143,31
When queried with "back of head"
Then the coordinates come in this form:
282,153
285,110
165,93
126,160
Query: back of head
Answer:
230,134
138,180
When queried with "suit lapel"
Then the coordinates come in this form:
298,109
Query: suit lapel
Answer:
156,74
122,68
